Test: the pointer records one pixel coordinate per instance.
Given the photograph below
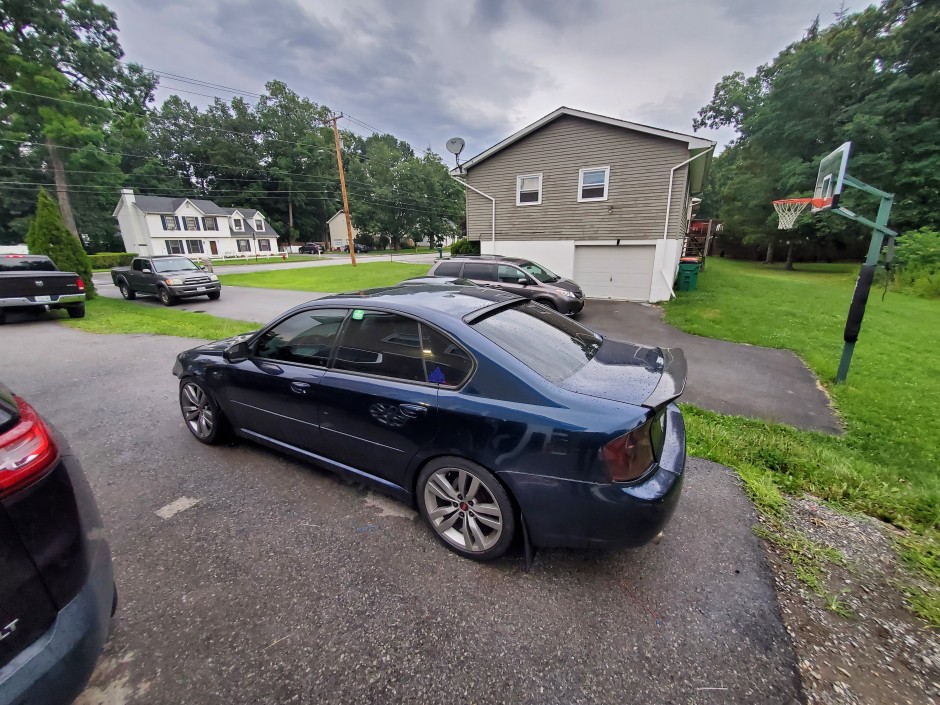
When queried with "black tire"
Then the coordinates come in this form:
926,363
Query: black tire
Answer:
214,295
166,298
76,310
196,403
3,316
126,291
466,520
547,303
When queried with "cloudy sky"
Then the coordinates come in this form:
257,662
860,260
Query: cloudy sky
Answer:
427,70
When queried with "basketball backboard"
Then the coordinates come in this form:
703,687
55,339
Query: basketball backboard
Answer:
830,178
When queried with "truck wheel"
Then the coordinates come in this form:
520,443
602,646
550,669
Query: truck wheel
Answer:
126,291
214,295
76,310
166,297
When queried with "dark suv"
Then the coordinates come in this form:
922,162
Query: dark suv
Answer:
311,248
56,586
516,275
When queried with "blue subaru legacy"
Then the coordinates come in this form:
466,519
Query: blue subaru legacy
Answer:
486,411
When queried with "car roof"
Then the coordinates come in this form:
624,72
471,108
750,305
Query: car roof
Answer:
489,258
430,301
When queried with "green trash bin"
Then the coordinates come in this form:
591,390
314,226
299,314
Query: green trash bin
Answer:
688,276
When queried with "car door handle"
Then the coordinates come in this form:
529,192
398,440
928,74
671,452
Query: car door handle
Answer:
299,387
412,411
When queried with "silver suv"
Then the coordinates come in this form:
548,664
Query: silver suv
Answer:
516,275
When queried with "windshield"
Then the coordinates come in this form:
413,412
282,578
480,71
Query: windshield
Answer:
545,341
539,272
174,264
21,264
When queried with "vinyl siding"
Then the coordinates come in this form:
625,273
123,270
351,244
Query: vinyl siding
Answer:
636,200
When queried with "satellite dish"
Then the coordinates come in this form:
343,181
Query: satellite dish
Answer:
455,145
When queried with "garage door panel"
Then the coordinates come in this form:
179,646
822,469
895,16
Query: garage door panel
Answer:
615,272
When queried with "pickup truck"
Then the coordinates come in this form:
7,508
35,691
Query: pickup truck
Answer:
32,283
170,277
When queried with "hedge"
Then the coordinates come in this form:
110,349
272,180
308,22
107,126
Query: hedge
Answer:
465,247
106,260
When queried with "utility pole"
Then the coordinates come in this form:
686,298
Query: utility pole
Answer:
342,184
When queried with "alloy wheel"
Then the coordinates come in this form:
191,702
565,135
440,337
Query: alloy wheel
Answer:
463,510
196,410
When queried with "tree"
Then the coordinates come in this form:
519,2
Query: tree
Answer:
48,236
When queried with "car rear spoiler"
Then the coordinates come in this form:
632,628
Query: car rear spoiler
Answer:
672,382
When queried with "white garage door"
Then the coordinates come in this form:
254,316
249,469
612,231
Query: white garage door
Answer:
612,272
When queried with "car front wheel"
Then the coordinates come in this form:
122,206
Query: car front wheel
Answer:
213,295
166,297
467,508
202,415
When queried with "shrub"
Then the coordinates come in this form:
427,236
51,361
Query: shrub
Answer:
106,260
917,262
48,236
465,247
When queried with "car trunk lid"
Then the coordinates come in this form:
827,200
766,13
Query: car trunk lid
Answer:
32,284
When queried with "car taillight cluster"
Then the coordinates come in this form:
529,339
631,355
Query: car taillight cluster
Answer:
27,451
629,456
81,284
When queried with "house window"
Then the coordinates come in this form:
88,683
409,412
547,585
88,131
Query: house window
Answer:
592,184
195,247
529,190
243,245
237,224
169,222
264,245
174,247
210,224
190,222
259,225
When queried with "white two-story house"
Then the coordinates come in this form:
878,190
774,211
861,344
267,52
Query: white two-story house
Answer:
158,225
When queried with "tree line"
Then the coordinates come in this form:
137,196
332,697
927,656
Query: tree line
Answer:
79,121
870,77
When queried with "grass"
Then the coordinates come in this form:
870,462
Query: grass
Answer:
261,260
103,315
402,251
334,278
886,463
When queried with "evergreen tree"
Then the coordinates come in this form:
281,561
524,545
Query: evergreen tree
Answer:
48,236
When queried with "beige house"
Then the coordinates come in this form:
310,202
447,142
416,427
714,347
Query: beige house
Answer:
339,235
600,200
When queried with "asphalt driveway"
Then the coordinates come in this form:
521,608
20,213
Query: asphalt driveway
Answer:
276,583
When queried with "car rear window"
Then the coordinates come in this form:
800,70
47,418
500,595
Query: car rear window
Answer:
543,340
448,269
479,271
21,264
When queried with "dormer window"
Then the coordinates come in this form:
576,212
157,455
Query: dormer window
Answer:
238,225
259,225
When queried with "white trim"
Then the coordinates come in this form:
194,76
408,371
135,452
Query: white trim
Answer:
194,206
240,220
693,142
519,179
581,185
255,224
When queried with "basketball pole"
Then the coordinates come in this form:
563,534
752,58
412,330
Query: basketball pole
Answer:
880,229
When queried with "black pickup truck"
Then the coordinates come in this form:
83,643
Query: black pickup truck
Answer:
170,277
32,283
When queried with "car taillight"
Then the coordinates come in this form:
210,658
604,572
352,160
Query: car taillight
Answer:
27,451
629,456
81,284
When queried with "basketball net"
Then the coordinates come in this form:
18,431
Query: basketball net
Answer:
789,210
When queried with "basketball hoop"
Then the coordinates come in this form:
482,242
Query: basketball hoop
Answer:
789,210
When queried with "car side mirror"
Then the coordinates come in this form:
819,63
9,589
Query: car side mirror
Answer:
146,271
236,353
523,281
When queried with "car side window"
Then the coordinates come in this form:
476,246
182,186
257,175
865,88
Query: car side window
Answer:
448,269
479,271
379,343
306,338
138,265
510,275
446,363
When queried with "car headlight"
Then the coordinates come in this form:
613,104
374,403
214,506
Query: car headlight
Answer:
213,278
174,282
566,293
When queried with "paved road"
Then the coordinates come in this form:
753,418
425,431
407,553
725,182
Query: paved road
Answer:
283,584
327,261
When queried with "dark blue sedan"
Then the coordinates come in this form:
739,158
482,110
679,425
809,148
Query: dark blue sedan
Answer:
485,410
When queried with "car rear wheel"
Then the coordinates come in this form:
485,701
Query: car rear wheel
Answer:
213,295
202,415
467,508
166,297
76,311
126,291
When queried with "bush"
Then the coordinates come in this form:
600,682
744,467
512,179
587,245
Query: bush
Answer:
917,262
106,260
48,236
465,247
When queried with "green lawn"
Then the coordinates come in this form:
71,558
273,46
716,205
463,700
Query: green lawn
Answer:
887,463
332,278
403,251
103,315
260,260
